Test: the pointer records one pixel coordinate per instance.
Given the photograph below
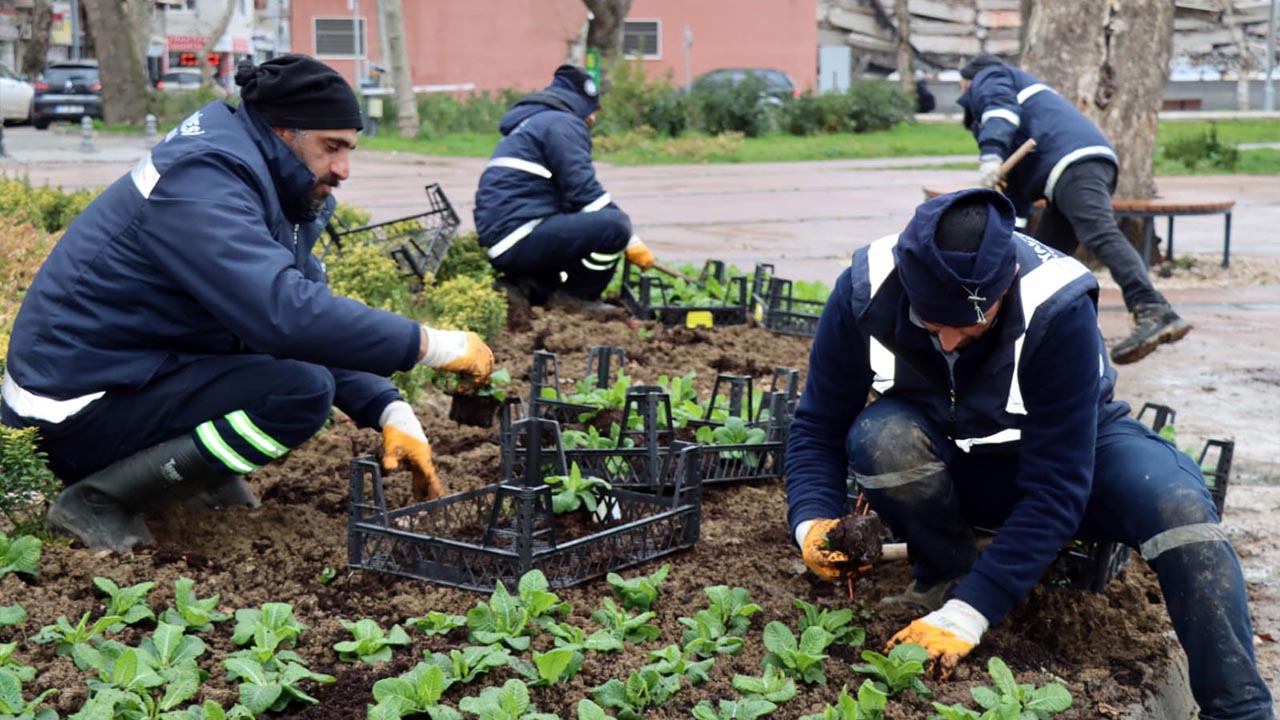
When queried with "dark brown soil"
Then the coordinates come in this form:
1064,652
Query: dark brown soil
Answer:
861,537
1105,648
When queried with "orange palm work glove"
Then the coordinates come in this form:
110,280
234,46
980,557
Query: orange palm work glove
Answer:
947,634
461,352
638,253
829,565
404,440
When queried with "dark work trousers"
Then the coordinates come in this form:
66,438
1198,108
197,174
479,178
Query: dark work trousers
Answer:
574,253
1146,494
243,410
1080,213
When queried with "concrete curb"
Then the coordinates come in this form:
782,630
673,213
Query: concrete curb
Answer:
1172,699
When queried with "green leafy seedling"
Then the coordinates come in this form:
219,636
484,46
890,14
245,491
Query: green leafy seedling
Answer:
277,618
638,593
371,645
14,705
899,670
836,622
326,575
589,710
643,689
12,615
263,689
20,554
470,662
171,652
129,603
672,660
436,623
733,606
868,705
773,685
801,660
416,692
509,702
501,620
573,637
631,628
575,491
189,610
744,709
211,710
25,673
76,640
1025,701
707,636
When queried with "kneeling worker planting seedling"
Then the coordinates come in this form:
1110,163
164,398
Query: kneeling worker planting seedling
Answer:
994,408
181,334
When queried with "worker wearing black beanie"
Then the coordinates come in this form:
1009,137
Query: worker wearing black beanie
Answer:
298,91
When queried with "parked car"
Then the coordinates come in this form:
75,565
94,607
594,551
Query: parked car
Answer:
179,80
15,96
67,91
778,86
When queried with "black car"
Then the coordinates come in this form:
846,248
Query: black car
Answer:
778,86
67,91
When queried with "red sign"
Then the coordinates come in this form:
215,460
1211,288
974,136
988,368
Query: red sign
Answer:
190,59
187,43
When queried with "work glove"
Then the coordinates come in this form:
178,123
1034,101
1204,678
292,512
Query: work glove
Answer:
460,352
947,634
829,565
638,253
989,171
404,440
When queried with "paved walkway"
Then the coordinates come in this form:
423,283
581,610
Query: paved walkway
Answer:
805,217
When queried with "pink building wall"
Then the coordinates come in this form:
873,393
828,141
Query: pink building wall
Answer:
498,44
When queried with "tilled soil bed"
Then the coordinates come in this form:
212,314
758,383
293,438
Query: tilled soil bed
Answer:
1109,650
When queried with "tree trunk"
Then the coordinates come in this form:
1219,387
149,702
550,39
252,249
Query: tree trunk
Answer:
224,22
1027,7
401,76
605,31
906,75
38,47
121,69
1245,66
1111,60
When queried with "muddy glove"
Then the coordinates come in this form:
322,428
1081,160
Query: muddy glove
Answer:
460,352
989,172
829,565
403,439
948,634
638,253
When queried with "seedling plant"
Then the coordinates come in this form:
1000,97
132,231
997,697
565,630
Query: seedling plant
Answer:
189,610
575,491
371,644
127,603
799,659
897,671
1009,700
638,593
836,622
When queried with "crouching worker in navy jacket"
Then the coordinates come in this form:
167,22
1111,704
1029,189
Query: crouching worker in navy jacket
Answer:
548,225
181,333
1074,170
994,408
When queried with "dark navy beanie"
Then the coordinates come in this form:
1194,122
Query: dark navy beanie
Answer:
956,288
974,66
585,95
298,91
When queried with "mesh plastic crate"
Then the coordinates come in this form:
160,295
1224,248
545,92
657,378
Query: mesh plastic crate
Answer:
418,243
774,308
652,298
1214,458
602,363
499,532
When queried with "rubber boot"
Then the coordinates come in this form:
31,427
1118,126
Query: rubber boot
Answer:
923,598
235,492
104,510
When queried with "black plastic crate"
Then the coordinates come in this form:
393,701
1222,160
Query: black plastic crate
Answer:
1086,565
418,243
1217,476
602,363
512,530
649,298
739,400
774,308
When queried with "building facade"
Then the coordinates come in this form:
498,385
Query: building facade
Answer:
498,44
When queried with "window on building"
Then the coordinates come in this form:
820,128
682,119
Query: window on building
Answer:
334,37
191,4
643,38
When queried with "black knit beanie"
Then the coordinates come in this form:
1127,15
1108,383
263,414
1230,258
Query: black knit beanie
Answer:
579,82
974,66
298,91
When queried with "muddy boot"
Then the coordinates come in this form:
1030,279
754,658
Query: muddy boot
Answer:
104,510
569,303
1153,325
926,599
235,492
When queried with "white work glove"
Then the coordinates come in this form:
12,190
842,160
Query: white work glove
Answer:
947,634
458,351
989,171
404,439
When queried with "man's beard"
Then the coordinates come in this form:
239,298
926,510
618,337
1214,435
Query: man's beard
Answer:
319,191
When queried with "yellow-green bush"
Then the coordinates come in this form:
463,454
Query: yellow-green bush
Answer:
27,486
365,273
48,208
22,252
351,216
468,303
466,257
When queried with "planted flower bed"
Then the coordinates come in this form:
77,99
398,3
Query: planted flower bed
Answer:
293,551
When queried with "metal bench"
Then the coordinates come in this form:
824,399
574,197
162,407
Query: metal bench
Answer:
1147,210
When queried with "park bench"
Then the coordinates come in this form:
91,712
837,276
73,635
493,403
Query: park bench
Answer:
1169,206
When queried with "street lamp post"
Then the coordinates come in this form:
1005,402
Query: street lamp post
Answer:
1268,88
